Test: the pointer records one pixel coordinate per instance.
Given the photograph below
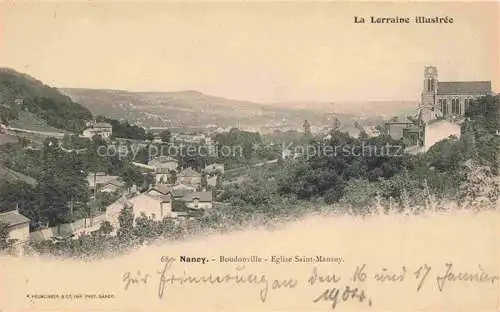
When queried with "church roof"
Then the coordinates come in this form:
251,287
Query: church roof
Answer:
464,87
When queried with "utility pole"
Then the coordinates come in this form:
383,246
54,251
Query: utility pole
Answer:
95,185
94,200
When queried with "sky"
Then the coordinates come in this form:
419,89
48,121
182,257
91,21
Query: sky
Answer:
262,52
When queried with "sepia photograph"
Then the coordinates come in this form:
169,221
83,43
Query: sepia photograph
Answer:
249,156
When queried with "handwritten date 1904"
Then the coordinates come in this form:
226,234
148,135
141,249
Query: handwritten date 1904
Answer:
336,295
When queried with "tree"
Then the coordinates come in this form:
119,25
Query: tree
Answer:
149,180
165,136
4,236
63,182
21,194
469,141
248,148
105,228
307,129
360,193
126,221
204,182
487,111
481,187
146,227
132,176
172,177
446,155
179,206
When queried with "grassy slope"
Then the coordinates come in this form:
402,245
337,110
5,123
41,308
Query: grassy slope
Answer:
10,175
32,122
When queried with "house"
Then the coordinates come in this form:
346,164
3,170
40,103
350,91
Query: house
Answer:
113,211
396,128
104,182
17,225
189,176
212,181
194,201
160,190
448,99
163,189
158,203
113,186
103,129
198,200
156,206
213,168
180,186
8,139
371,131
286,153
163,167
157,139
438,130
191,138
327,137
163,163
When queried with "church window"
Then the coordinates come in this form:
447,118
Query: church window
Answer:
444,107
455,106
467,102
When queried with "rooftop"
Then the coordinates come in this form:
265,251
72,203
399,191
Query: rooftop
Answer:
202,196
7,138
464,87
13,218
162,198
162,160
189,172
162,189
101,125
101,179
116,182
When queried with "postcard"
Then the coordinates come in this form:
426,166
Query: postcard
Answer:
249,156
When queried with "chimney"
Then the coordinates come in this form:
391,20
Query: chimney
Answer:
196,200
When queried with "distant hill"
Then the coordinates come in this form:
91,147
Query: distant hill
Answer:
175,109
359,108
190,109
20,92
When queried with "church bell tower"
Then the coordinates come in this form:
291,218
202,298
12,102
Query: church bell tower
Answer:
428,100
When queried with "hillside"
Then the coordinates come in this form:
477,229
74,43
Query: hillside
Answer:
20,92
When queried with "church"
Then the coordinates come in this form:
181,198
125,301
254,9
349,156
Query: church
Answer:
448,99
